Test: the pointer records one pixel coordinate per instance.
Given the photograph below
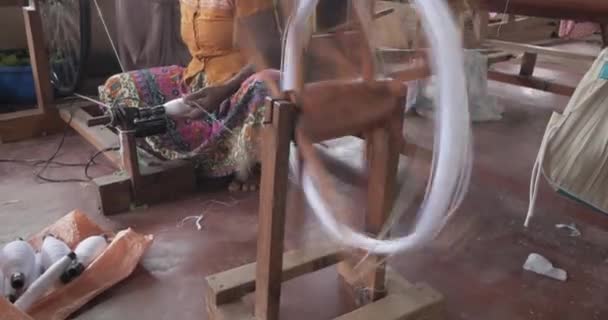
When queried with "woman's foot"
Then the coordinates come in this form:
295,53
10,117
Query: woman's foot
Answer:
246,182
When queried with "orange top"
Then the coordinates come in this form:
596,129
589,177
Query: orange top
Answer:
207,28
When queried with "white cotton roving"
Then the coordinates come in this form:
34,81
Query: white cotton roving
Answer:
177,108
44,283
19,264
451,167
52,250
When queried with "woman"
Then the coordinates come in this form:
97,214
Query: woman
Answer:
227,98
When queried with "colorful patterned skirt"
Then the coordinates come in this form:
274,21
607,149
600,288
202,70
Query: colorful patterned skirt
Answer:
217,143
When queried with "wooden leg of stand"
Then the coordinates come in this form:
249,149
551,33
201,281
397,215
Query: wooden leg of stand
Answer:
130,164
383,161
382,154
275,165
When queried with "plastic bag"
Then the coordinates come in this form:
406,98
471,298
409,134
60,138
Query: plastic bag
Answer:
482,106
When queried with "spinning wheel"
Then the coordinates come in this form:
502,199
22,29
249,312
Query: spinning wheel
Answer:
67,27
372,106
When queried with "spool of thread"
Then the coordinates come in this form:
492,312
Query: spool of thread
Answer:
19,264
86,252
44,283
52,250
9,293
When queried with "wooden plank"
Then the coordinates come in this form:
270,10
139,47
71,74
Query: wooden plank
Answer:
277,135
528,63
99,136
405,301
231,285
531,82
519,47
421,303
38,58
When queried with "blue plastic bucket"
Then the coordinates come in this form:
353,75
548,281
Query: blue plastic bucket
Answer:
17,85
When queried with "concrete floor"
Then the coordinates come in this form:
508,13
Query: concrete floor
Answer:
476,262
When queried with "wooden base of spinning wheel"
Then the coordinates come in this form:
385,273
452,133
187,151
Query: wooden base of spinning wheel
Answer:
394,298
403,300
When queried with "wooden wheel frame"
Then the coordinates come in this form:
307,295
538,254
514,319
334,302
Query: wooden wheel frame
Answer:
320,111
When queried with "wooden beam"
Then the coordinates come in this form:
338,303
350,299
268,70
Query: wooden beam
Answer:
519,47
383,151
276,136
38,58
531,82
583,10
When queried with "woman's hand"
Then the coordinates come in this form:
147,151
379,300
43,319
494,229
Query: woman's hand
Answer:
209,99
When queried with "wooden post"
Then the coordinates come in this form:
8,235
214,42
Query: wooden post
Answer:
604,28
276,138
528,62
383,151
38,56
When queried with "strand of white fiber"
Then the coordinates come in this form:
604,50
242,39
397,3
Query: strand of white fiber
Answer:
452,157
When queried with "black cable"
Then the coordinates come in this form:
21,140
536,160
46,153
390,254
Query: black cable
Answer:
38,174
92,160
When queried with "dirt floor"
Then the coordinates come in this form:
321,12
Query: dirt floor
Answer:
476,262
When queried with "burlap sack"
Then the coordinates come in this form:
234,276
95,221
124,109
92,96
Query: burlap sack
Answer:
573,155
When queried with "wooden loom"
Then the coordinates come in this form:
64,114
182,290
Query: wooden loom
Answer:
581,10
326,110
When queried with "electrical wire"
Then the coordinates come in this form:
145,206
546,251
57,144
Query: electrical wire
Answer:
51,162
38,174
92,160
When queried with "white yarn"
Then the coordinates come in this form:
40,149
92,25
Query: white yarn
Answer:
452,151
52,250
89,249
43,284
19,258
